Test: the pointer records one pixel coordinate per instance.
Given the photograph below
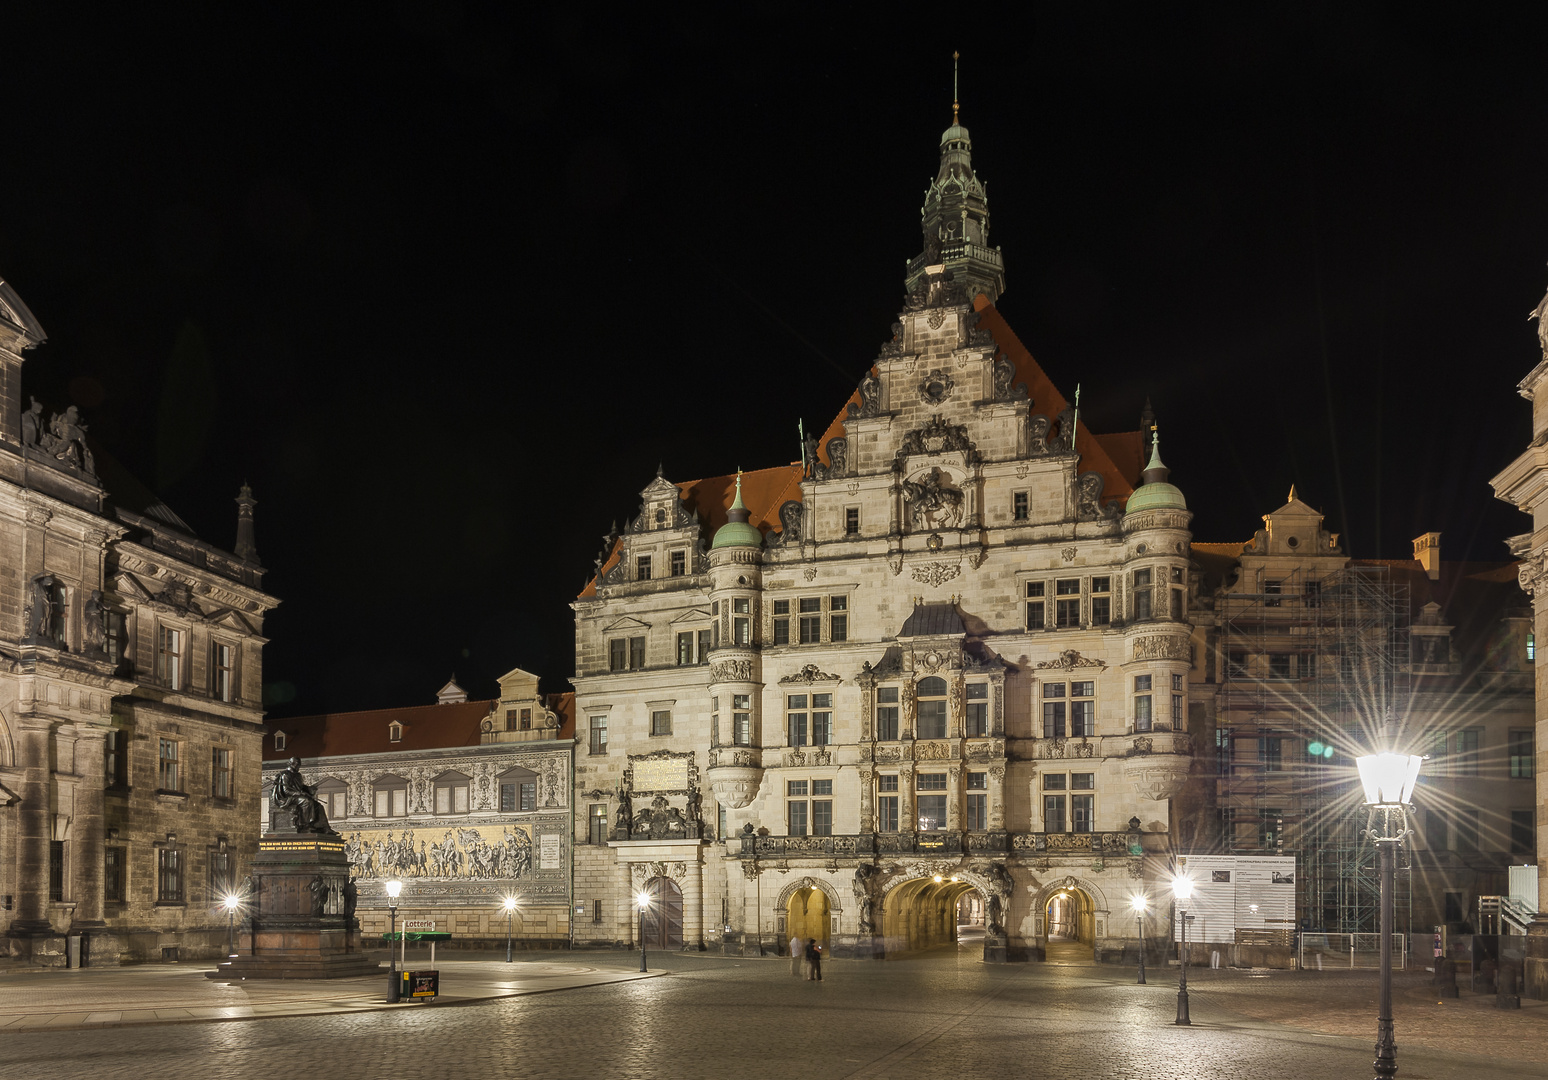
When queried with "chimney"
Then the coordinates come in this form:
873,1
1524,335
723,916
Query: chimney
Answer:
1427,553
246,546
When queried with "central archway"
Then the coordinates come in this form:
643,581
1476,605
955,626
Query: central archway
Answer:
1070,918
922,913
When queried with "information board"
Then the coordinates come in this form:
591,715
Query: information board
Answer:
1236,892
548,851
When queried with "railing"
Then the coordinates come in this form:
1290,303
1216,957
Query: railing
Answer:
1320,952
950,842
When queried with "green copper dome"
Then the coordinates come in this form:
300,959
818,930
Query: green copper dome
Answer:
736,532
1155,493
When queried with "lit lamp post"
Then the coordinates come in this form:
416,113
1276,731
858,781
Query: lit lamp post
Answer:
1138,904
644,901
231,903
1388,780
393,889
1182,889
510,910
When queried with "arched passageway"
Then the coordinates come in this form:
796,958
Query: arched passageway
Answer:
807,916
925,912
1071,921
661,926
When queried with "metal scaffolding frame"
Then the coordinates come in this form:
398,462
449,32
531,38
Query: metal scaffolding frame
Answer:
1319,661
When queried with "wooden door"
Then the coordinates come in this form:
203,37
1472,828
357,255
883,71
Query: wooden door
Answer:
662,926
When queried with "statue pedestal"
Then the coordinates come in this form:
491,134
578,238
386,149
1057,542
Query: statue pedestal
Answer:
996,947
303,924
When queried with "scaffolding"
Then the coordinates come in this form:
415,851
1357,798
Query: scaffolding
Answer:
1314,671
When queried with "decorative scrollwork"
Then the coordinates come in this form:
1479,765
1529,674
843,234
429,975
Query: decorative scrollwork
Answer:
936,574
810,673
1070,659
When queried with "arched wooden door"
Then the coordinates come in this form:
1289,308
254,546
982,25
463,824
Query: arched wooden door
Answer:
662,926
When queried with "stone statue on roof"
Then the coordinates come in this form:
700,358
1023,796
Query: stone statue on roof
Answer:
1540,313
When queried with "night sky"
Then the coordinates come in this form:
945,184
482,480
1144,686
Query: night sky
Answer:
445,282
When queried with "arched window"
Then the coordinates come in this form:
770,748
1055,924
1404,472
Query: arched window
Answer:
518,790
451,793
932,708
390,796
333,795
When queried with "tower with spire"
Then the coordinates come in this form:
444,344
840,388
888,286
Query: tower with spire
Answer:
955,218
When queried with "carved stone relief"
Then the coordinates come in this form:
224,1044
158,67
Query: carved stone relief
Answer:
936,574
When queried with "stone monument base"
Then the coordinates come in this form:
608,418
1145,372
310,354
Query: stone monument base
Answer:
302,923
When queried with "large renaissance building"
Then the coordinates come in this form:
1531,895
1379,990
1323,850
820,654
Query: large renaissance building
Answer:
130,698
942,669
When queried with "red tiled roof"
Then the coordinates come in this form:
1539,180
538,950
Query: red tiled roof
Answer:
425,727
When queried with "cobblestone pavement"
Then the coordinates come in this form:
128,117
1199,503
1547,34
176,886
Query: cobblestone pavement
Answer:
942,1015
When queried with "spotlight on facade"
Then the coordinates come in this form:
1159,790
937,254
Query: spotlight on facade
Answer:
938,879
1138,904
954,877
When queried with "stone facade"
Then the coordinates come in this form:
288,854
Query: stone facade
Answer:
130,698
465,802
953,666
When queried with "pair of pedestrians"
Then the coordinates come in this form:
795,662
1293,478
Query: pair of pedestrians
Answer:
806,959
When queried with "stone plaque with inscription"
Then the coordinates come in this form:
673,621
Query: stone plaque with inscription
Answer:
661,774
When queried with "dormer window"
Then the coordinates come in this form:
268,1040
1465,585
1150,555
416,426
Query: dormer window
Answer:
279,740
394,732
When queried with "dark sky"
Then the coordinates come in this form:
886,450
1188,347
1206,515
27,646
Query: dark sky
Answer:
445,282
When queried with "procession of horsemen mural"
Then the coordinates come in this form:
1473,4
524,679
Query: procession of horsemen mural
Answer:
487,852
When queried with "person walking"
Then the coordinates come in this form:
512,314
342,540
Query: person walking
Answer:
795,955
813,960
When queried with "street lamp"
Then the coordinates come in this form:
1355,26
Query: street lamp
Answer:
1388,780
510,909
1138,904
643,899
231,903
1182,889
394,887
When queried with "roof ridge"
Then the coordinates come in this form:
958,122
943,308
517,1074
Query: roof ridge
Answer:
390,708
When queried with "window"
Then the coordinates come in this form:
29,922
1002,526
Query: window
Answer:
1520,742
391,796
1067,604
169,657
1521,832
795,719
113,636
782,622
1143,718
1272,591
599,734
1177,683
1054,715
741,622
221,661
931,808
1435,830
451,793
1020,506
1035,620
741,719
597,823
1467,751
636,653
512,720
1055,781
220,772
810,624
169,876
679,563
1467,828
617,655
1177,712
822,720
1270,754
1177,602
977,709
1082,813
1101,601
279,740
642,568
168,776
838,618
1053,812
704,646
1141,595
1223,751
977,801
887,804
1279,665
796,807
1083,781
932,708
692,647
1271,824
596,911
116,758
220,881
333,795
1082,709
851,521
518,794
1531,647
822,809
113,864
394,732
887,713
56,870
661,722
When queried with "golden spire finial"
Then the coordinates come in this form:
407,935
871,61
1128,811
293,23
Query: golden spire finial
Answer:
954,57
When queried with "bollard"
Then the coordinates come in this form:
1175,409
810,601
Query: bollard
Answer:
1505,996
1485,981
1448,981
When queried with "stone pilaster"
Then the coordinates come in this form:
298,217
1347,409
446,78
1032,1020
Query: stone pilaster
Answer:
997,796
87,827
34,826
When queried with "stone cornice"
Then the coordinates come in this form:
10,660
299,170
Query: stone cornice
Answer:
1524,481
